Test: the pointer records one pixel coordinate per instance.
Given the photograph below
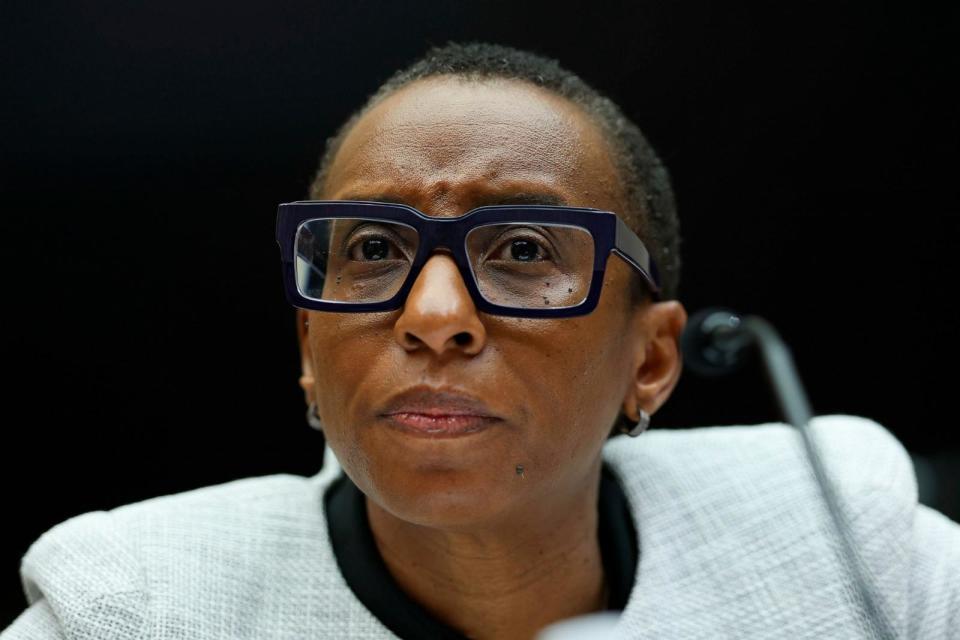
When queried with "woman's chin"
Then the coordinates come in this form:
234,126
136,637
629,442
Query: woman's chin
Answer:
449,498
445,481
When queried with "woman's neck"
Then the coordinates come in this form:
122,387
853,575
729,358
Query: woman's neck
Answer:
507,580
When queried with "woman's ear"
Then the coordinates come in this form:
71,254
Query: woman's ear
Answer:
658,361
306,356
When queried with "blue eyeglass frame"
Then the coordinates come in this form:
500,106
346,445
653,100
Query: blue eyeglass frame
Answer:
610,236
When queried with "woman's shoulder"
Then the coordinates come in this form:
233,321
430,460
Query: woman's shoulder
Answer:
734,514
760,474
219,554
860,454
285,502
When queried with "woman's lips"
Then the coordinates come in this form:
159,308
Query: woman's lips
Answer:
431,412
439,425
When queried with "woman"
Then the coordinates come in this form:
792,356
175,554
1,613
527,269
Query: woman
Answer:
468,372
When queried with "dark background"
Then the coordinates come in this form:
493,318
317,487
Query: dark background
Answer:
145,147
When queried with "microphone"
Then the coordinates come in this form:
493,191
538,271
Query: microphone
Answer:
715,342
712,343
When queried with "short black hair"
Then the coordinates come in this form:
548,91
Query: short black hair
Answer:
646,182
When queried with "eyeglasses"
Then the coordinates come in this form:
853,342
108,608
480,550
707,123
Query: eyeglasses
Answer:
525,261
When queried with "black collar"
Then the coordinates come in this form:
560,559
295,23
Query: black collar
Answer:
370,580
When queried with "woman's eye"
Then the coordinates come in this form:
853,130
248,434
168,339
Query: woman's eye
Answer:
372,249
520,250
524,250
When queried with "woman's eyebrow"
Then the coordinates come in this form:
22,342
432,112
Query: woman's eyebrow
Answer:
531,197
379,197
540,198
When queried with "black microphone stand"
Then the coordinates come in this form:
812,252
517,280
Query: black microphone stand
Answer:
714,343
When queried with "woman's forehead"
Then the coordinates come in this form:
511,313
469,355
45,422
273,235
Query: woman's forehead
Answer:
449,137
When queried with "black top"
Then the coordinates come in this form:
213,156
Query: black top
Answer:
367,575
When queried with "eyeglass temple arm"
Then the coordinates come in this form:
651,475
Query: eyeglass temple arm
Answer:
630,247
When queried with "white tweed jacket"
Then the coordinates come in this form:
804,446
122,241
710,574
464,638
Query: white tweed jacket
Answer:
734,543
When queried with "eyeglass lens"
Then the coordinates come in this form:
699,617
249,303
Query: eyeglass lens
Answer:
515,264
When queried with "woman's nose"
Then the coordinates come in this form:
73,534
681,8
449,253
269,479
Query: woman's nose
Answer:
439,313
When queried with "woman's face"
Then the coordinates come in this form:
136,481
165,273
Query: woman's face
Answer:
549,388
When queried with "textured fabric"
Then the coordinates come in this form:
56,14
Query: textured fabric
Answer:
735,543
